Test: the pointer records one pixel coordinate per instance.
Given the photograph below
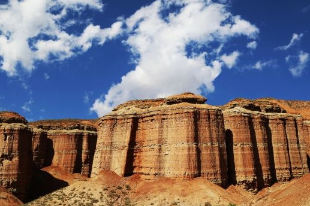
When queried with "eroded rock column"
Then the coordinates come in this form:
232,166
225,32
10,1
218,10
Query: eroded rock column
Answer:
15,154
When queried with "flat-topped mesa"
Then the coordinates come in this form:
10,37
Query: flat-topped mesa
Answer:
68,144
259,105
133,106
178,137
185,97
264,144
15,154
292,106
11,117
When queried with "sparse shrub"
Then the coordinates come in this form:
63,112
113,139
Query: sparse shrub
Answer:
119,187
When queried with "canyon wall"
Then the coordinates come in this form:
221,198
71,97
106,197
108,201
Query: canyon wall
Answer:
264,144
249,143
67,144
178,137
253,143
15,154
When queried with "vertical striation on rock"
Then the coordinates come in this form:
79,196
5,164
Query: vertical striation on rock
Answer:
15,154
253,143
177,137
67,144
306,131
264,143
39,146
241,155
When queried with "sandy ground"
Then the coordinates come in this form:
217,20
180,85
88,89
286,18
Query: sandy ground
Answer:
110,189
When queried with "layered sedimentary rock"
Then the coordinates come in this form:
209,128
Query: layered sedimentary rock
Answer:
15,154
307,136
264,143
245,142
67,144
177,137
39,146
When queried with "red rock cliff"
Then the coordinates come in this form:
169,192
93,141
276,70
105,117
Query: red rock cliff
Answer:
176,137
68,144
15,154
264,143
250,143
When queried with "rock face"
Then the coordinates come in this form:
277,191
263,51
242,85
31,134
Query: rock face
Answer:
245,142
67,144
264,143
253,143
175,137
15,154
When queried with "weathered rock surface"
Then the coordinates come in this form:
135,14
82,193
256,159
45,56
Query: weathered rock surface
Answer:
181,137
15,154
252,143
176,137
264,143
67,144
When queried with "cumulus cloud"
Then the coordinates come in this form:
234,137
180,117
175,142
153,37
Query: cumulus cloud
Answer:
159,37
298,63
230,60
262,64
32,30
252,45
295,38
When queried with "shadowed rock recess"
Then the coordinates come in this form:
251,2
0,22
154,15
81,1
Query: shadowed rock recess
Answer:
68,144
252,143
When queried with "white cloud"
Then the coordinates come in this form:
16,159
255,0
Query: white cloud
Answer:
158,38
26,106
260,65
301,62
32,30
294,40
86,97
252,45
230,60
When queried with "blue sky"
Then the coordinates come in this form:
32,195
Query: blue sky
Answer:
81,58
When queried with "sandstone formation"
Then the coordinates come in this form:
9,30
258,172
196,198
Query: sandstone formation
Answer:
177,137
252,143
68,144
264,143
15,154
245,142
307,137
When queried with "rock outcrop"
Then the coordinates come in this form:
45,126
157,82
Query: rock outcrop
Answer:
68,144
15,154
253,143
245,142
177,137
264,143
